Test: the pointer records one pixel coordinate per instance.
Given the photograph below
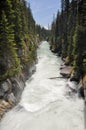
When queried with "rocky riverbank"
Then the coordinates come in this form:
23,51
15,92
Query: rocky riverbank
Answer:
11,89
68,72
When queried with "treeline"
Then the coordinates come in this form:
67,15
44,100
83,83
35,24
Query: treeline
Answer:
17,37
69,35
43,33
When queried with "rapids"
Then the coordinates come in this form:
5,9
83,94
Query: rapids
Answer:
44,104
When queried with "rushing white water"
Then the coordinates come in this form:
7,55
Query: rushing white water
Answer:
44,104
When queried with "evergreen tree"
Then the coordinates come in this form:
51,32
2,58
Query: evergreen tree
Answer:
79,39
24,17
70,32
17,42
31,22
17,22
9,64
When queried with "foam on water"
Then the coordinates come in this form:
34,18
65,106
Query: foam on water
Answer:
44,102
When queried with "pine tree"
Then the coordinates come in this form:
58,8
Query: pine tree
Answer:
79,39
17,22
24,17
9,60
70,32
31,22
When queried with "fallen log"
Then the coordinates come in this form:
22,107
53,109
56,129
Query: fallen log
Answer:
55,77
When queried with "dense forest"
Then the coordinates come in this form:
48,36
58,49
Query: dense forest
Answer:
69,35
18,37
17,34
46,94
43,34
19,40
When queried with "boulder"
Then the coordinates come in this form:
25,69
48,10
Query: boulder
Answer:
66,71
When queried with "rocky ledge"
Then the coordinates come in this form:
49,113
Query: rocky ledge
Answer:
5,106
11,90
68,72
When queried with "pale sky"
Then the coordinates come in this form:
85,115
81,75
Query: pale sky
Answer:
44,10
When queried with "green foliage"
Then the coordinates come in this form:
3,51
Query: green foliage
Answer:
28,50
43,33
69,32
17,22
79,39
84,62
8,56
17,37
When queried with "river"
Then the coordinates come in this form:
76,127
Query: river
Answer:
45,104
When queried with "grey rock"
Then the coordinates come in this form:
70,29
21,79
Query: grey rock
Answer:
11,97
5,86
66,71
1,93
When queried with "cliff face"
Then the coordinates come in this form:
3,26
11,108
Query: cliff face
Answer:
12,84
11,89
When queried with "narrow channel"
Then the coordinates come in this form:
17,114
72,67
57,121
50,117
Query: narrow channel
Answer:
45,104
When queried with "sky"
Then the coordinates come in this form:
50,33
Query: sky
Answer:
44,11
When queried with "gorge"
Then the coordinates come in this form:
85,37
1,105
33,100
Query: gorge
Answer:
46,103
42,68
